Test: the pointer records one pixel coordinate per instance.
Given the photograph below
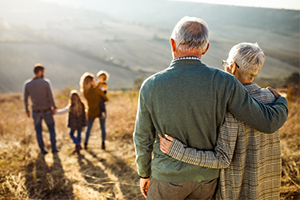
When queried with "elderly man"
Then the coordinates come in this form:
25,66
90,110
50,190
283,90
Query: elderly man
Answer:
190,100
253,157
43,106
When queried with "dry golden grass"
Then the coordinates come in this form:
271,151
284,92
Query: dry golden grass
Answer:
290,147
96,174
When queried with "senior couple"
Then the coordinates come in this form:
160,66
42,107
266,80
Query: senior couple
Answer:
215,132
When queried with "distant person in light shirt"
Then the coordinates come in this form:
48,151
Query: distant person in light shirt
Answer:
249,159
43,106
190,100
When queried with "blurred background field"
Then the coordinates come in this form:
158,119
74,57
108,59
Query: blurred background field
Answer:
98,174
130,39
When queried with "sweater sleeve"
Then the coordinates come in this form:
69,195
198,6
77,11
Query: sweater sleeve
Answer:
261,117
62,111
50,95
144,137
222,154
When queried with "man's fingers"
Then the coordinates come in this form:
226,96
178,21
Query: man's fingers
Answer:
144,193
144,185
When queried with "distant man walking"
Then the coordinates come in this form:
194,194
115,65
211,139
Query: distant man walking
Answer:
43,106
189,100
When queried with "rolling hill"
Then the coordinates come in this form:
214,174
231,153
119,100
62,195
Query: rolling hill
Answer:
131,39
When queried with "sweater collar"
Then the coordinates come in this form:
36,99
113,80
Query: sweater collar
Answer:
187,58
183,61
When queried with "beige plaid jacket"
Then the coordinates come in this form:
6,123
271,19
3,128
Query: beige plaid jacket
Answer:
249,160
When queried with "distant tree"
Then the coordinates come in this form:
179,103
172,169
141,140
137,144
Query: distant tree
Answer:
138,83
293,84
293,79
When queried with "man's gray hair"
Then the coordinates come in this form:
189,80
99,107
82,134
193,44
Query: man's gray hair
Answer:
249,57
190,33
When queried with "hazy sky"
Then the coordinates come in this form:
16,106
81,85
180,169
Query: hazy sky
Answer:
286,4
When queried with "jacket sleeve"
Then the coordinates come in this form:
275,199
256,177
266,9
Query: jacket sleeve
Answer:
264,118
222,154
83,116
144,137
101,93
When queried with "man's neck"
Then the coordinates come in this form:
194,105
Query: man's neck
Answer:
36,77
192,53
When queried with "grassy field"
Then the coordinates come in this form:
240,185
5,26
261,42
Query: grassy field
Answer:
97,174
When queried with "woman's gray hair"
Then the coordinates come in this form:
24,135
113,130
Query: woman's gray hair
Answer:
249,57
190,33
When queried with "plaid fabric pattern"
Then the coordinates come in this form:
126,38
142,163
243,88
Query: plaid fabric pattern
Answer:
249,160
261,94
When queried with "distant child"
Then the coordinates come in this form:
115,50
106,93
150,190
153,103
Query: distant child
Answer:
103,76
77,118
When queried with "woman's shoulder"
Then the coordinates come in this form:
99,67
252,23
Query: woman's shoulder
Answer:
95,88
91,90
98,91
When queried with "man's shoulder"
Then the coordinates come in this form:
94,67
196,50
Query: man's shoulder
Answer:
215,75
43,81
220,72
221,78
216,72
38,81
155,77
28,81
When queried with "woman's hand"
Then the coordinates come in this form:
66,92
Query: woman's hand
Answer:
276,94
165,143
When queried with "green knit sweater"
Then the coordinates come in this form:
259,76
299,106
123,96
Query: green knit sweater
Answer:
188,100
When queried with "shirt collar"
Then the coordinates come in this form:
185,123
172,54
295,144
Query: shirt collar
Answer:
187,58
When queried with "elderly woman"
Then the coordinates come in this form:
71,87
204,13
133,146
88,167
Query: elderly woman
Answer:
249,159
93,96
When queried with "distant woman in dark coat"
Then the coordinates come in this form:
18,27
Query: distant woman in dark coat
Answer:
77,118
93,95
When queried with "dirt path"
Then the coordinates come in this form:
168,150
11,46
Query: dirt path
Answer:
92,174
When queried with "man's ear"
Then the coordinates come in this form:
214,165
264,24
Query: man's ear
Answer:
234,68
173,44
206,49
